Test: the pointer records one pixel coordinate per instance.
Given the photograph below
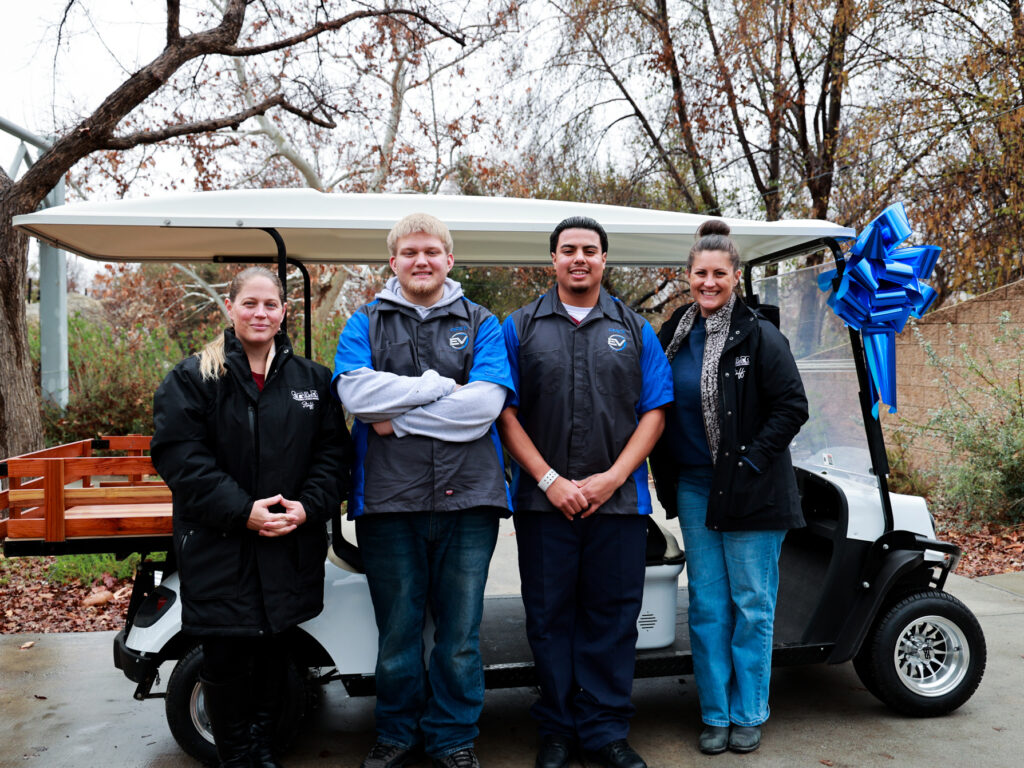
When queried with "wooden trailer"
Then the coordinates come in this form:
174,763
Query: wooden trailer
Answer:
69,500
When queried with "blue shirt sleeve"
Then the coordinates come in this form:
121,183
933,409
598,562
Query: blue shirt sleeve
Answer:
656,372
508,330
490,363
353,348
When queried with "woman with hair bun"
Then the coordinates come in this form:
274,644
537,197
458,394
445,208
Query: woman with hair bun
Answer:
723,466
254,449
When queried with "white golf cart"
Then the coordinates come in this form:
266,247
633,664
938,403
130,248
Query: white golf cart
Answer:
863,581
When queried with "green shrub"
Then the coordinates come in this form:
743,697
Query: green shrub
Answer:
982,422
87,569
112,374
903,477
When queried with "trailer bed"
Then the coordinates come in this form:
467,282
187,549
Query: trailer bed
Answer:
67,500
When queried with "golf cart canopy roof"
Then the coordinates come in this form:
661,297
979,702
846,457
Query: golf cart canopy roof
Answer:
351,228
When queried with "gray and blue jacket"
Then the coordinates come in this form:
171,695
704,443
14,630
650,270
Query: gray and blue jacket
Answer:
580,390
441,376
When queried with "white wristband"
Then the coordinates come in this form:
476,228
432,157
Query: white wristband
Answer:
549,477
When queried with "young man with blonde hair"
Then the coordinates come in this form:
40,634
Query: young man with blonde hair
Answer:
424,372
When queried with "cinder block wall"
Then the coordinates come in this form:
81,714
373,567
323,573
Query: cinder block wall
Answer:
974,321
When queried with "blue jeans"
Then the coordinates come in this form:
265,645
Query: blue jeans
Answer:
414,560
733,583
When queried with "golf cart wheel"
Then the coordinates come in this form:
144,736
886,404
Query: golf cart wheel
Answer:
925,656
185,708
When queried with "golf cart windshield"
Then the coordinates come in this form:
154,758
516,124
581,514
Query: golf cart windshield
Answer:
833,440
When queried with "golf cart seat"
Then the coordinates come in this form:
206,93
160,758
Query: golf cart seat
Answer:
662,547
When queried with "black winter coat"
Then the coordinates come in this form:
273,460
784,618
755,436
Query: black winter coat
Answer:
761,408
220,445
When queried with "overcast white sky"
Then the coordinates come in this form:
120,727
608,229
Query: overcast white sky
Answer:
101,47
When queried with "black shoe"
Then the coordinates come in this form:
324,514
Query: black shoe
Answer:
617,754
464,758
554,751
389,756
744,738
714,739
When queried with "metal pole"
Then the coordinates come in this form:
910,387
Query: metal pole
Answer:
53,316
53,285
20,133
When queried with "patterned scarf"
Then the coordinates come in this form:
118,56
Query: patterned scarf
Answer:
717,326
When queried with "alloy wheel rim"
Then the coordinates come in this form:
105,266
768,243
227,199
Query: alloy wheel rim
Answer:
197,711
931,656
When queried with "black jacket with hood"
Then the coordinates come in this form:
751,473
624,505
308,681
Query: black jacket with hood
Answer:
222,444
761,407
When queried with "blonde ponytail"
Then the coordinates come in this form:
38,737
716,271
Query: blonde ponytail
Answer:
211,360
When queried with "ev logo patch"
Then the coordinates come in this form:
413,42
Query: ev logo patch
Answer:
458,340
617,342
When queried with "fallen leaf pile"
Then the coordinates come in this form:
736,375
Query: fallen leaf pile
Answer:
29,602
988,549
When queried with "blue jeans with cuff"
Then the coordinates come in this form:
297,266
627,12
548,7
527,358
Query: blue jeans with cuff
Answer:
415,561
733,583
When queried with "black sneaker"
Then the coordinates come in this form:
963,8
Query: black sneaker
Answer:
616,754
389,756
464,758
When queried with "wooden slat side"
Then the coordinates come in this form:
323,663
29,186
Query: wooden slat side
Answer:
94,527
77,468
67,450
129,484
53,502
120,526
113,496
129,442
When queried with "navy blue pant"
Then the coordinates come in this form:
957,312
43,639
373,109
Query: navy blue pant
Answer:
583,583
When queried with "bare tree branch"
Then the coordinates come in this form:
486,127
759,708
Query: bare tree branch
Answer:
173,21
207,126
334,24
208,290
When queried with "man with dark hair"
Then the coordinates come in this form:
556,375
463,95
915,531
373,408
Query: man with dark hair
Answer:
591,387
424,372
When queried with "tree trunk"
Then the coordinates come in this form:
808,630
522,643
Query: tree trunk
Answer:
21,428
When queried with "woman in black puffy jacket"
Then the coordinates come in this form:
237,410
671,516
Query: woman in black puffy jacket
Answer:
723,466
255,452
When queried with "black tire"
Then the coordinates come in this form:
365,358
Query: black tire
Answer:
925,656
189,724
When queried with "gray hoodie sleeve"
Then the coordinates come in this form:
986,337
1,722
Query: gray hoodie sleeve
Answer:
373,396
460,417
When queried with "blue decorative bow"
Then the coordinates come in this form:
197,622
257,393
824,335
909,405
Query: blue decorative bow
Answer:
878,290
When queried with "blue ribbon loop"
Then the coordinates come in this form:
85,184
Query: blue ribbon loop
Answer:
879,290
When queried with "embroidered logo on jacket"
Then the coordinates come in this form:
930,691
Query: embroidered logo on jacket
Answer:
458,340
617,342
306,397
742,361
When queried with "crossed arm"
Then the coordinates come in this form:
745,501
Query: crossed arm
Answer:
430,404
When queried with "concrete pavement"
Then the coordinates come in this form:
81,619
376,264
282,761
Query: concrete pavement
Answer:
62,703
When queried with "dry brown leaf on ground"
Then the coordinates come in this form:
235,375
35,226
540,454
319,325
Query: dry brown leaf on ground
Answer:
99,598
